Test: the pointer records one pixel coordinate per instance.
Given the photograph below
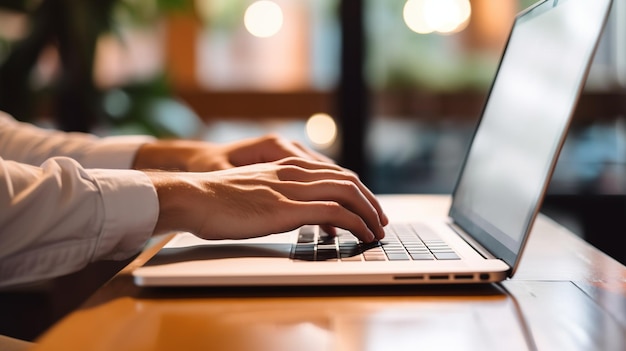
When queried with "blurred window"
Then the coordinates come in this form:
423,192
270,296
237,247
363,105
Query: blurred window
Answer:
277,45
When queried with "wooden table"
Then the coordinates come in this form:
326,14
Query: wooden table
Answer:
566,295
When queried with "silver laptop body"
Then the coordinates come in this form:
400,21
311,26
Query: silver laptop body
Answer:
496,199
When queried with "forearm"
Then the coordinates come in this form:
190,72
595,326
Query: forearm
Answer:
25,143
56,218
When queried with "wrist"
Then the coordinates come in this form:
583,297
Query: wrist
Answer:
171,205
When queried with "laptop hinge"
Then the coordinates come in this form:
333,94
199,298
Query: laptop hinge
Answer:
473,243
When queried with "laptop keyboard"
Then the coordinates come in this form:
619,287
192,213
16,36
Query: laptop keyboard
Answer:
402,242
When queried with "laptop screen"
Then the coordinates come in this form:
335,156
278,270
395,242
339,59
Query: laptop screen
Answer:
525,121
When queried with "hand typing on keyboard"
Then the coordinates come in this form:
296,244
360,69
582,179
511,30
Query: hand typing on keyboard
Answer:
403,242
265,198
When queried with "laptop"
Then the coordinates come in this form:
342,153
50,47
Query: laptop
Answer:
496,199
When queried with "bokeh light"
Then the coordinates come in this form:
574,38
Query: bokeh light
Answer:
443,16
263,18
414,16
321,130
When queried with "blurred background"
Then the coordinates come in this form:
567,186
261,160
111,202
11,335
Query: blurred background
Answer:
391,89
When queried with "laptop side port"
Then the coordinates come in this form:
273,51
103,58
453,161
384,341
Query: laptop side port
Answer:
409,277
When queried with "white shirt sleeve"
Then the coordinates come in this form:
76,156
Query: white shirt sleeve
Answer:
58,216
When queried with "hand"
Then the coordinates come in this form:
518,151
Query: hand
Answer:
197,156
267,198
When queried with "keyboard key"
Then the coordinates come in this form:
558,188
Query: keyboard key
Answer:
375,257
374,251
421,251
306,238
324,255
415,247
403,242
304,256
352,258
327,247
393,256
394,249
422,256
446,256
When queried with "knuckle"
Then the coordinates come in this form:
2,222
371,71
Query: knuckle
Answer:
330,208
291,161
277,141
347,185
272,138
292,168
351,176
289,171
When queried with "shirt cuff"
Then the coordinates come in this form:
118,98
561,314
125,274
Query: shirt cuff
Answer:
131,210
116,152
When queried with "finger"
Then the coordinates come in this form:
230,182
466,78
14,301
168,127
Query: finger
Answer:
294,148
276,148
319,171
329,229
313,164
313,154
344,192
328,213
260,150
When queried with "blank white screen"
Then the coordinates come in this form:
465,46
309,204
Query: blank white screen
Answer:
526,117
